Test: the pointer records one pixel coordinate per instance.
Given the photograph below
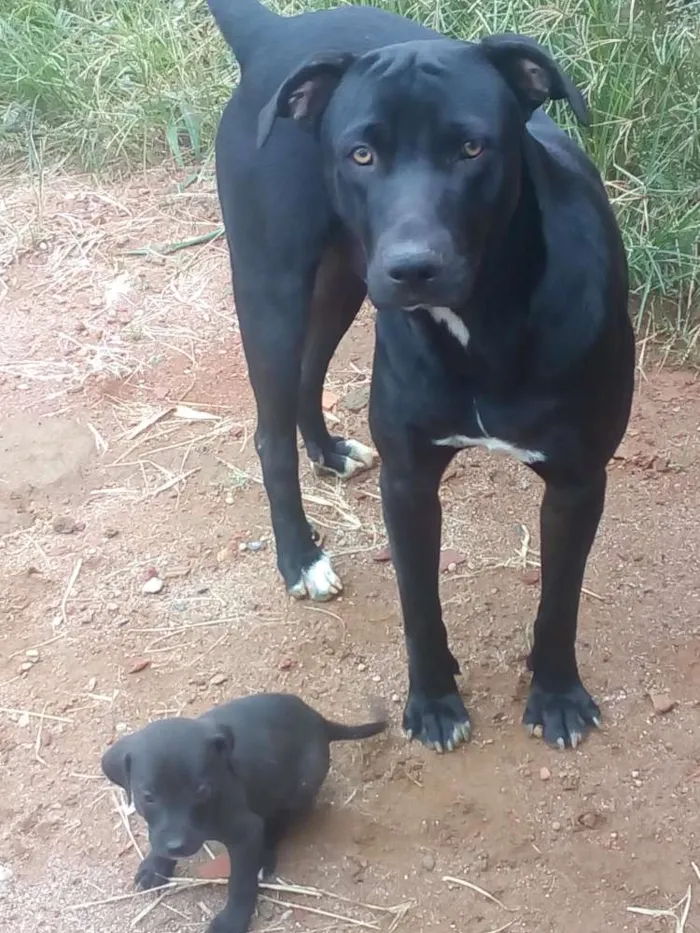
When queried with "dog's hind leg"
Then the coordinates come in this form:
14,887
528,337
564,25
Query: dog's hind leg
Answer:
274,262
338,295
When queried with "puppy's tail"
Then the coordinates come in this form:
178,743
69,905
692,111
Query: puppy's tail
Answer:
242,23
337,732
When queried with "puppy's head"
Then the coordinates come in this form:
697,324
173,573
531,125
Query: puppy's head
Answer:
175,771
422,149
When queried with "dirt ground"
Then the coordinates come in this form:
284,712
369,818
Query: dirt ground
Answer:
106,481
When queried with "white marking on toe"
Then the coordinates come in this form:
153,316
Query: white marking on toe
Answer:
319,581
453,322
360,453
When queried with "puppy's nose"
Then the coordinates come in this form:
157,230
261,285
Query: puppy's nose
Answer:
412,264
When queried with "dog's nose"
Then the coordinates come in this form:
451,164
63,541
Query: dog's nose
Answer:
412,265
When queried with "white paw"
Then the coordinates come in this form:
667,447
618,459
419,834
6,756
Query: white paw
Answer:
359,458
319,581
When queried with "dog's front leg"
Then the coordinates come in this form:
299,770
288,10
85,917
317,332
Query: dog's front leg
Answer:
559,706
434,712
246,858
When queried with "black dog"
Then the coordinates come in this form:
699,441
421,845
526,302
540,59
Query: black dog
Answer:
365,153
239,774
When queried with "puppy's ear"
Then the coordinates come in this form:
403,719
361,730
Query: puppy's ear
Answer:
305,94
223,740
532,73
116,764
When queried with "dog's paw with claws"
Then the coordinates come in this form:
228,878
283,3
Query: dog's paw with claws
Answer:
441,724
318,581
154,872
560,717
344,459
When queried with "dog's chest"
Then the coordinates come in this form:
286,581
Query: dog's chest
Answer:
454,395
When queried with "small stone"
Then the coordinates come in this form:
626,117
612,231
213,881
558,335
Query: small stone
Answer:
32,654
376,678
256,545
531,577
121,727
64,525
218,679
229,500
556,826
23,720
395,698
242,547
5,874
26,666
152,585
361,667
266,910
545,774
590,819
662,703
91,684
428,862
111,532
356,399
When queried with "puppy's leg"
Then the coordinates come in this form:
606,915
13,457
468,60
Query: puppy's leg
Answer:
434,713
559,706
275,829
154,872
338,296
245,856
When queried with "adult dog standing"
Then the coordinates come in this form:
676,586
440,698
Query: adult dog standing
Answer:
365,154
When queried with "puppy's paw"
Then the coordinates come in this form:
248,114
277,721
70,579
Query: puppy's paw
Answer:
344,459
318,581
154,872
441,724
560,717
231,921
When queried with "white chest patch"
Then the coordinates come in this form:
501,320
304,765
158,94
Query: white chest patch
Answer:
452,322
461,441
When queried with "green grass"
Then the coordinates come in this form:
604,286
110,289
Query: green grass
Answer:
123,83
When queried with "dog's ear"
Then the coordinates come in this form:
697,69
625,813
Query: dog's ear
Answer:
223,741
532,73
116,764
305,94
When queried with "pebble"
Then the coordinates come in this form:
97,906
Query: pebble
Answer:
5,873
266,910
545,774
361,667
556,826
218,679
26,666
152,585
23,720
662,703
64,525
356,399
32,654
395,698
428,862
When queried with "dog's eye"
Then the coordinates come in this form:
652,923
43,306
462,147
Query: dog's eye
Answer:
362,155
471,149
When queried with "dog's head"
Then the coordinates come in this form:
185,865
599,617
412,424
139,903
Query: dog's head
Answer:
422,146
175,771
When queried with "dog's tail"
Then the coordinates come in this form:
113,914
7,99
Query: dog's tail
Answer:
241,22
337,732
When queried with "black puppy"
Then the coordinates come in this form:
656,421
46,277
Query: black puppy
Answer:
363,153
239,774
